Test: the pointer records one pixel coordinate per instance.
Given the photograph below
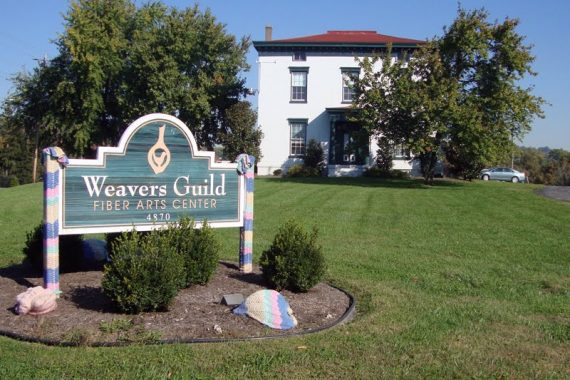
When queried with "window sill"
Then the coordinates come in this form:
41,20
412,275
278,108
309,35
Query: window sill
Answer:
298,101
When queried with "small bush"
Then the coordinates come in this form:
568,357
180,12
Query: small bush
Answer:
378,172
277,172
314,157
14,181
313,162
294,261
145,272
70,251
112,236
295,171
301,171
199,249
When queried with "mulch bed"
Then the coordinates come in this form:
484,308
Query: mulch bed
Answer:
85,316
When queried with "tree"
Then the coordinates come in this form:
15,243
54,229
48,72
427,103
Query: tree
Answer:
241,135
459,95
117,62
488,61
406,103
314,158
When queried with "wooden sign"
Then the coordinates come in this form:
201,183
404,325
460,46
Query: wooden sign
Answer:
155,175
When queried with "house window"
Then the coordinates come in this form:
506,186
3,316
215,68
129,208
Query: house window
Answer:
299,84
401,151
299,56
348,78
298,137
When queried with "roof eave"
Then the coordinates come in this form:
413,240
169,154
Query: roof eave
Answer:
272,45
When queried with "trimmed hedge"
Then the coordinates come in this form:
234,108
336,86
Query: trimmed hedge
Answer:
145,272
199,249
148,268
294,261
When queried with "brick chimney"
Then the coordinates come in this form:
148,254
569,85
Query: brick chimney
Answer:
268,33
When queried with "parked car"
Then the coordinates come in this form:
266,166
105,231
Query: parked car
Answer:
502,174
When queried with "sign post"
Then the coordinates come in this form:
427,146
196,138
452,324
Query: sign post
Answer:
156,175
246,166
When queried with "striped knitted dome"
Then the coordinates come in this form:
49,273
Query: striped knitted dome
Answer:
268,307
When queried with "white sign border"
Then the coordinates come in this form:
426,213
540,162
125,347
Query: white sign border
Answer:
120,149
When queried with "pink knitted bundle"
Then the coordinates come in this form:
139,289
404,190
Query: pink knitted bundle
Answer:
35,301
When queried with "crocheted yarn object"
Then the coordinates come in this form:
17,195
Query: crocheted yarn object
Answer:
36,301
268,307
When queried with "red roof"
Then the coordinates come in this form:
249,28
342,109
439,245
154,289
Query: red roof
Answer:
350,37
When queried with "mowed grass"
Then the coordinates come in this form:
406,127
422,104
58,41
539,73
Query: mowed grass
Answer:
457,280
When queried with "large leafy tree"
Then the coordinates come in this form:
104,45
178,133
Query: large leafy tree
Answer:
243,136
117,62
459,96
407,103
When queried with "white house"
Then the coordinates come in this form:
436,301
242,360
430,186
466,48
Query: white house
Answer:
305,93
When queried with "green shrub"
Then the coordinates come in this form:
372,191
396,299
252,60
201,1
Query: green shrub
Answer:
199,249
313,162
112,236
70,251
296,170
301,171
277,172
294,261
14,181
145,272
378,172
314,158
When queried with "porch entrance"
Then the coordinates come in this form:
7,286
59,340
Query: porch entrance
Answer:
349,144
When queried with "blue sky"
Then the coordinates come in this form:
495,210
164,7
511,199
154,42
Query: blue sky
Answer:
27,28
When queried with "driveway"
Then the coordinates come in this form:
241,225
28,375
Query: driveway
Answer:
562,193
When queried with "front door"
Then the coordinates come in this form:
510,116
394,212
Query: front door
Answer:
349,144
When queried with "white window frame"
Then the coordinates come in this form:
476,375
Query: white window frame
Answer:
348,74
299,89
297,145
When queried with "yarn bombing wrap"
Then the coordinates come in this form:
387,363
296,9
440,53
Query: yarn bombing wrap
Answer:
244,162
57,153
35,301
245,167
268,307
53,159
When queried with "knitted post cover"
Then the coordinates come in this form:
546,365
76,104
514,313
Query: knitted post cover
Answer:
268,307
246,166
53,159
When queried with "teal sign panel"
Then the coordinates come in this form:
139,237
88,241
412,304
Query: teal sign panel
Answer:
156,175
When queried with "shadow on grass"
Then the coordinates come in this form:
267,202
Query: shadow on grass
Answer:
413,183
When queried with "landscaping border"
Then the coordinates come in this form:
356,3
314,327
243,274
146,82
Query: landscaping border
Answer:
346,317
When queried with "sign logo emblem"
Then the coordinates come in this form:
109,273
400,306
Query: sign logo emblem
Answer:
158,154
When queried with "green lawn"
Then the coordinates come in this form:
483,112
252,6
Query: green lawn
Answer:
455,280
